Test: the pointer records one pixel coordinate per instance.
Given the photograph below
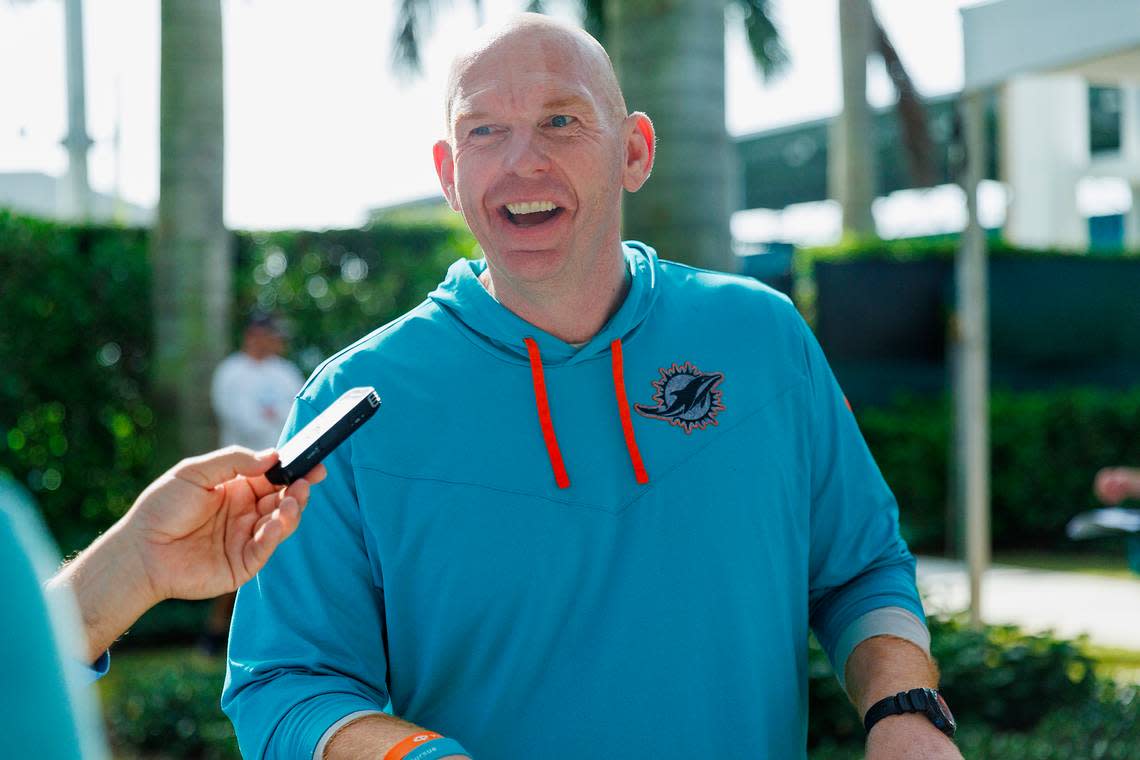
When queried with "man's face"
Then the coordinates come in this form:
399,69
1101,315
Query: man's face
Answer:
535,160
261,342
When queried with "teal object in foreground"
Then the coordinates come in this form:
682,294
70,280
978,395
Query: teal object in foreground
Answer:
46,709
441,566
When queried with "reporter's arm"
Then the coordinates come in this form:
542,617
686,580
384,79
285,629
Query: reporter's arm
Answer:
110,587
203,528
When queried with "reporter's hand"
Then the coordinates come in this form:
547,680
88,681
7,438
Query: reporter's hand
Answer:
202,529
1115,484
210,523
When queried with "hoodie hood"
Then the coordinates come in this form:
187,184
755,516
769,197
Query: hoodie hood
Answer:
503,332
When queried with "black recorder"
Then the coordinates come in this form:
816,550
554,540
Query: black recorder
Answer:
306,449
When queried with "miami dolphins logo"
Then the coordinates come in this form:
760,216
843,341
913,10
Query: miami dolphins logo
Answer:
685,397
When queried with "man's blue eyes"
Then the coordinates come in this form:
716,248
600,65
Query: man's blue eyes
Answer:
560,121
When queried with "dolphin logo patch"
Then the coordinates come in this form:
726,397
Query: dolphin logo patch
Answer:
685,397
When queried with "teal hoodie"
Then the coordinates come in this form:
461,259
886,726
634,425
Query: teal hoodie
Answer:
554,552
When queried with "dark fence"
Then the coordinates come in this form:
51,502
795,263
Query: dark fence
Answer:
1055,321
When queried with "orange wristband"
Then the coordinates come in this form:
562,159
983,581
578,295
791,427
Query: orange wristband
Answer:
409,743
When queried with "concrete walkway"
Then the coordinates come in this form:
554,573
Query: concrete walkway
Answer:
1107,609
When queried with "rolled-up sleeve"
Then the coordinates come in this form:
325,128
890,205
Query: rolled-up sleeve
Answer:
306,644
862,580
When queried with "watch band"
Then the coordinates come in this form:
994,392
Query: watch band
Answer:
925,701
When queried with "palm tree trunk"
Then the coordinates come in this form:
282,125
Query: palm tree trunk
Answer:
190,245
853,158
669,56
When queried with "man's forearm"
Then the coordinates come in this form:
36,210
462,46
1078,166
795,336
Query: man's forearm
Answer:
880,667
371,737
883,666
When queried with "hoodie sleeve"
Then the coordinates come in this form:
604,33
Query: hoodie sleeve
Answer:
306,643
861,574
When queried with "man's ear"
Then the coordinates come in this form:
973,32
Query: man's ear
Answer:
445,170
640,148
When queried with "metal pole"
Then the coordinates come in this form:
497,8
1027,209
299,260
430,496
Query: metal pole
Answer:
971,396
78,194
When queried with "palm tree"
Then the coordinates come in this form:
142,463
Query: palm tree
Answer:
670,60
190,246
852,168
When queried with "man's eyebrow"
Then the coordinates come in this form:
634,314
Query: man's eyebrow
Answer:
565,101
466,115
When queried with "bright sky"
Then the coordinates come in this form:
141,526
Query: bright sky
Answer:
319,130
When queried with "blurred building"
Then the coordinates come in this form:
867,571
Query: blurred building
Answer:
43,195
1038,58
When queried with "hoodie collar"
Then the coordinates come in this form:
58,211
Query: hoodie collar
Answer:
504,332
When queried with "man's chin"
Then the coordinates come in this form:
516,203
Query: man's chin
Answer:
528,265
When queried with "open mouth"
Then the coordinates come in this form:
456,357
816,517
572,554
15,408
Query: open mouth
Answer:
531,213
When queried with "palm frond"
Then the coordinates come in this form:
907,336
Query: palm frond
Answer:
406,46
594,21
413,23
913,124
768,49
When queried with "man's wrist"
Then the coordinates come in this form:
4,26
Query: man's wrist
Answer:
908,735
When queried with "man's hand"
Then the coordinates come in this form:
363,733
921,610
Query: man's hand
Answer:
210,523
1115,484
202,529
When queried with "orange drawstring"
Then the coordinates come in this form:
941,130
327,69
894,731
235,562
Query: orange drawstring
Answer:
547,423
623,412
544,420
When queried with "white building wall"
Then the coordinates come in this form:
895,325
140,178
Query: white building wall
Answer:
1130,154
1044,138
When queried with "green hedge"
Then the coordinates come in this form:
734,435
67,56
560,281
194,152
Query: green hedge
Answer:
76,423
937,247
1046,449
338,285
1015,695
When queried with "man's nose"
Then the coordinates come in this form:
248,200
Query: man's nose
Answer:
525,155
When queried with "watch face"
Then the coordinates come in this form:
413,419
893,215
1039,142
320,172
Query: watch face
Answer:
938,705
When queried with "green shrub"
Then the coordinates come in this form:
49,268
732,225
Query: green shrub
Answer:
338,285
76,426
167,702
1047,447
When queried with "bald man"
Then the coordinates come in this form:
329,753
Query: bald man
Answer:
608,495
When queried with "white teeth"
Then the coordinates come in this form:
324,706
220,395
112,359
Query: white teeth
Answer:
530,207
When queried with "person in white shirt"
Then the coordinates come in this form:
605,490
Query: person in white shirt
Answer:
252,392
253,389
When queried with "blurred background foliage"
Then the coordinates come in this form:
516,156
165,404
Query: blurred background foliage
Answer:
77,427
77,424
1046,447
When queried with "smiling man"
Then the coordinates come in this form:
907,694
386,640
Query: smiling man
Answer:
608,496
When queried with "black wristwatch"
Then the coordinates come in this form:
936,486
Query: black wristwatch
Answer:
926,701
